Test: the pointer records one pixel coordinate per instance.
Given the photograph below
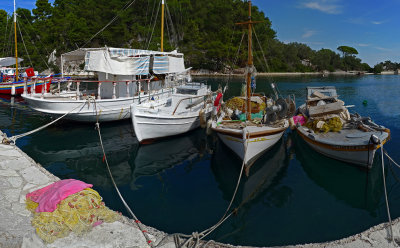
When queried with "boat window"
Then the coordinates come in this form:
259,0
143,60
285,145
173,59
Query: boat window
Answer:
186,91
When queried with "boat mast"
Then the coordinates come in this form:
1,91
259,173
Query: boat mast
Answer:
250,66
162,25
16,50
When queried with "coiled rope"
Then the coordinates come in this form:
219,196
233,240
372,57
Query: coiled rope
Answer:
138,223
13,139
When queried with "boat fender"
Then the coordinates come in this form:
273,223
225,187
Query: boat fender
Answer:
203,118
291,123
209,130
217,103
374,139
13,90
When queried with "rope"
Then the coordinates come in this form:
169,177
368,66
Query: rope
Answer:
155,21
110,22
5,34
15,137
23,42
394,162
37,50
386,198
138,223
192,241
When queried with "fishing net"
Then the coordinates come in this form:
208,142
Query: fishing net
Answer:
333,124
78,213
240,104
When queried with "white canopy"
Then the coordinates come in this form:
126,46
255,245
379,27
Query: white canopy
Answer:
9,61
121,61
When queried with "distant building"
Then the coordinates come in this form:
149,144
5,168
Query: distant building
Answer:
306,62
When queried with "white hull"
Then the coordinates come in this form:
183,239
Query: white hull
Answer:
149,127
256,144
353,157
84,110
354,154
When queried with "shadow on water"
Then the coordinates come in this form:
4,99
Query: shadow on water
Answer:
355,186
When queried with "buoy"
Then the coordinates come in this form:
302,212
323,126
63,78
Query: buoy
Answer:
365,102
203,118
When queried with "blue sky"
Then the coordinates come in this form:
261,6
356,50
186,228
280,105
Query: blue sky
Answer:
372,27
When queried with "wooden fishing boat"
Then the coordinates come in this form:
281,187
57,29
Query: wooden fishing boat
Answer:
332,131
174,115
250,137
10,83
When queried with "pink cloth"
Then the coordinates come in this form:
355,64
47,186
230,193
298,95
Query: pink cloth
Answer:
49,196
299,119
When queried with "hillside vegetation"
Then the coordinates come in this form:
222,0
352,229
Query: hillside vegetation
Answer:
204,31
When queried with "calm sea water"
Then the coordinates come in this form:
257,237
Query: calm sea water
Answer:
183,184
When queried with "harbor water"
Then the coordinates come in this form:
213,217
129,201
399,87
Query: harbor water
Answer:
183,184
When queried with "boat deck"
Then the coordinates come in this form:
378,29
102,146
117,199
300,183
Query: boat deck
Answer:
345,137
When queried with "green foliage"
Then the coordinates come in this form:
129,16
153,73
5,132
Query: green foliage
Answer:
204,31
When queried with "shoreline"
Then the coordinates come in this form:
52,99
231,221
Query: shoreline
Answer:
290,74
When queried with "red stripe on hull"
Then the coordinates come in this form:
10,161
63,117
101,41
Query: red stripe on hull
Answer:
5,88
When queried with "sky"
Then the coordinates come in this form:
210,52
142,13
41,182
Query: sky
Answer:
370,26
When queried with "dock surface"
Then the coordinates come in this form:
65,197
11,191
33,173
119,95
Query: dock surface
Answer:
19,175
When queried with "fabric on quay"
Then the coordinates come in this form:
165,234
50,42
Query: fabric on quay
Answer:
49,196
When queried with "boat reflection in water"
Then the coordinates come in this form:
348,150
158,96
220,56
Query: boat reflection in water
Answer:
356,187
79,155
154,158
261,186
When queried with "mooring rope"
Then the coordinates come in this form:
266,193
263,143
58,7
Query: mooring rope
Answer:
138,223
192,241
15,137
386,198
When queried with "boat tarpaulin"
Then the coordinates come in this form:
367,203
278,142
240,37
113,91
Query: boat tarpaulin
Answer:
101,61
8,61
121,61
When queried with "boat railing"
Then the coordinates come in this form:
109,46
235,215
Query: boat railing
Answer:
193,104
74,86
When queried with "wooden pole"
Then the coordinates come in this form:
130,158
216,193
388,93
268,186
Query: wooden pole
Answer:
162,26
16,50
250,66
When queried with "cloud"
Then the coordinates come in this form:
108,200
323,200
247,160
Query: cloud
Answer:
377,22
326,6
363,45
383,49
308,33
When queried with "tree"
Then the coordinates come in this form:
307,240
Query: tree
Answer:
346,50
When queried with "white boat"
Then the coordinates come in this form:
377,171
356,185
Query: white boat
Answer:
250,137
356,139
174,115
125,77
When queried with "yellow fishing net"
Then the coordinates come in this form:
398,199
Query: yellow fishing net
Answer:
77,213
239,103
333,124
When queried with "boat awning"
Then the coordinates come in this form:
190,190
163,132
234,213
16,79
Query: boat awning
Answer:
8,61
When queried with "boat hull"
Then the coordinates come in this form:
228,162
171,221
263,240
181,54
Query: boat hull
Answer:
361,155
17,88
255,147
257,141
149,127
83,110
